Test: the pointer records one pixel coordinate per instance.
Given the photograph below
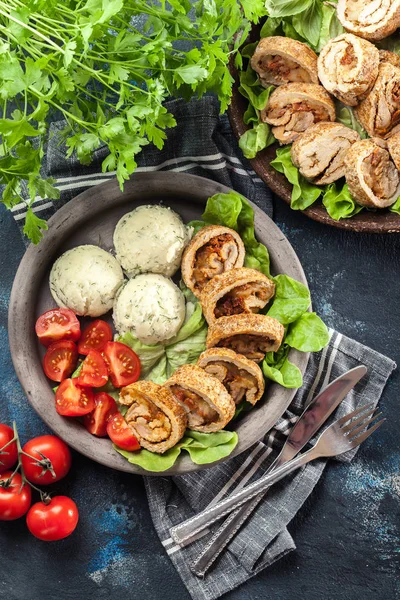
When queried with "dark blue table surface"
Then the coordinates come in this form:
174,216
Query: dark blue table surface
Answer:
347,533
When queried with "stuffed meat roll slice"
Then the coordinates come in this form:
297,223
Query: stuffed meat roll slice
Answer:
371,174
320,152
390,57
234,292
380,111
370,19
279,60
154,416
348,68
242,377
247,334
213,250
394,148
208,405
294,107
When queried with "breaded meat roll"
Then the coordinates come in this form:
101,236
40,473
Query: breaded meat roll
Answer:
154,416
390,57
213,250
234,292
371,174
247,334
320,152
370,19
348,68
208,405
380,111
294,107
394,148
279,60
242,377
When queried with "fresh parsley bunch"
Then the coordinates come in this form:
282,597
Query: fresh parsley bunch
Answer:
105,66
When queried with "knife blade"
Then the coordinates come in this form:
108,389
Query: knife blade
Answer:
310,421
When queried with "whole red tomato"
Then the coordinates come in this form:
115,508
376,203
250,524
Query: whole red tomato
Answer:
15,498
8,456
54,520
51,459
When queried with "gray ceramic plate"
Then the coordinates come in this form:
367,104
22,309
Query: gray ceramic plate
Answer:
90,218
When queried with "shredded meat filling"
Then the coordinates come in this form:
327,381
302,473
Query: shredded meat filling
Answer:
200,412
150,422
380,174
215,257
249,297
238,382
253,347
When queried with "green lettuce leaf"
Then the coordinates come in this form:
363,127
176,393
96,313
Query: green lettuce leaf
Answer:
256,139
291,300
396,207
277,367
308,333
330,26
286,8
308,23
304,194
203,448
271,27
346,116
339,203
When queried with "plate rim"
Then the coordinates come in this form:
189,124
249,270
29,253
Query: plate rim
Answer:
60,223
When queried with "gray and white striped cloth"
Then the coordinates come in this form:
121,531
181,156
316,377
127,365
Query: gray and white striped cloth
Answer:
203,144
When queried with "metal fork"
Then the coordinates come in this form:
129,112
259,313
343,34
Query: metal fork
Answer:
343,435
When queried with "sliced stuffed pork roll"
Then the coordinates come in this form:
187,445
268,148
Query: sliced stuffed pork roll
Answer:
208,405
348,68
213,250
372,20
154,416
390,57
380,111
242,377
247,334
320,152
394,148
235,292
371,175
294,107
279,60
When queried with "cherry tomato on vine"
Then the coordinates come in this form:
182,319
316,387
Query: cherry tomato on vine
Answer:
121,434
96,421
60,360
8,455
15,498
54,520
57,324
122,363
94,371
94,337
50,456
72,400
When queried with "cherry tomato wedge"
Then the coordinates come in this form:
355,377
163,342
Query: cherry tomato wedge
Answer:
73,400
122,363
9,453
49,459
94,371
15,499
60,360
121,434
53,521
94,337
57,324
96,421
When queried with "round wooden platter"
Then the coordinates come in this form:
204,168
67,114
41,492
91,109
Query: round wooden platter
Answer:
90,218
382,221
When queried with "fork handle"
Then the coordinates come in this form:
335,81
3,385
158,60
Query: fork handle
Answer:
180,533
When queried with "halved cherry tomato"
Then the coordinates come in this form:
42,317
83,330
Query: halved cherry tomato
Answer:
121,434
96,421
72,400
122,363
15,498
8,455
49,459
57,324
94,337
60,360
94,371
55,520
